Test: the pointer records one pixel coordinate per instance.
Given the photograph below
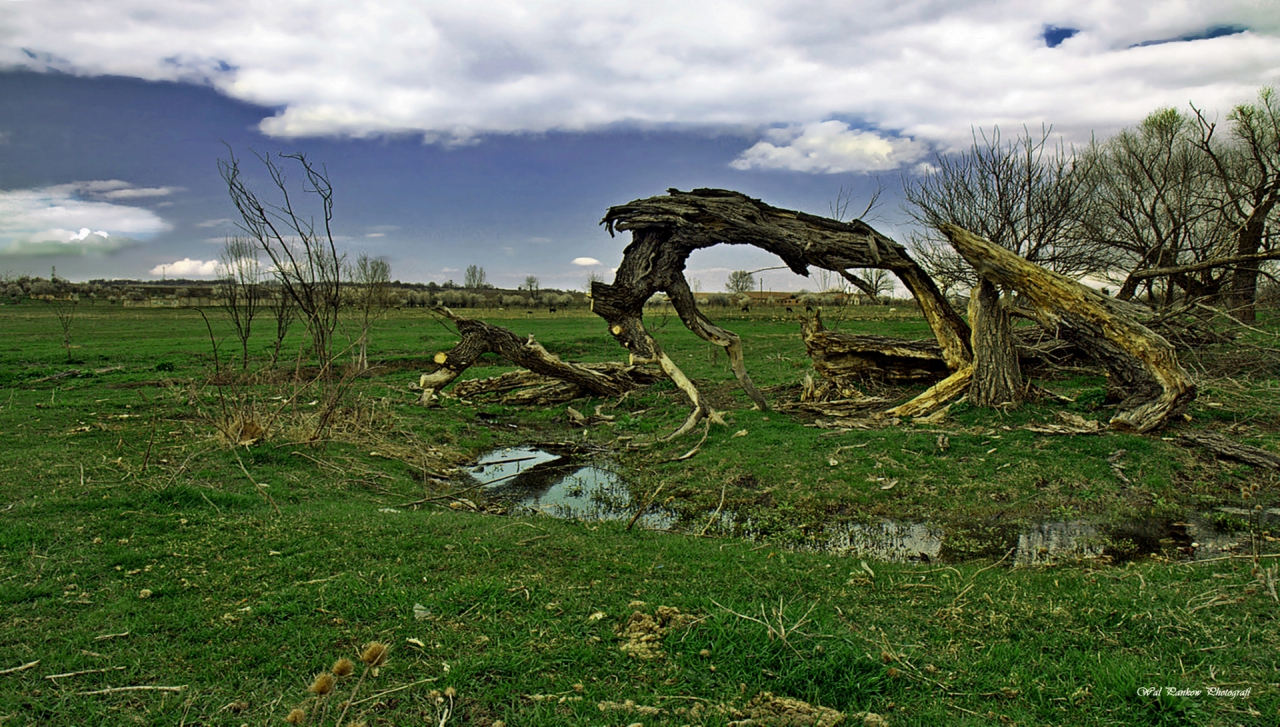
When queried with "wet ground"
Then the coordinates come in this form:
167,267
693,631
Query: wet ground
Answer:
565,483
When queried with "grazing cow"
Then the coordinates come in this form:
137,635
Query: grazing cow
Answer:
789,309
746,309
808,309
553,310
528,312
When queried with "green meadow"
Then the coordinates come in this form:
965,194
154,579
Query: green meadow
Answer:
153,571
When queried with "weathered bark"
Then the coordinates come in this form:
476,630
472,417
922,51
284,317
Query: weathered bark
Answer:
666,230
479,338
997,378
1224,447
844,357
1142,362
525,388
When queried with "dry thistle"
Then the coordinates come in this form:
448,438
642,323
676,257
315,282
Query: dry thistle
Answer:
343,668
375,654
323,684
297,716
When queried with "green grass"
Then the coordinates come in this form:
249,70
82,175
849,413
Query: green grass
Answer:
116,483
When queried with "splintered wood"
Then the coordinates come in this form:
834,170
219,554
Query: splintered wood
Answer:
1143,363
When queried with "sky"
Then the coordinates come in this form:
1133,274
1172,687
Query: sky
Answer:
497,132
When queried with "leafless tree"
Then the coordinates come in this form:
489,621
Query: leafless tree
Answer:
1247,170
64,307
531,285
300,245
239,288
740,281
285,310
371,296
839,208
1152,207
1024,195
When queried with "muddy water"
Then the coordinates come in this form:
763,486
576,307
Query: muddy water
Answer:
570,486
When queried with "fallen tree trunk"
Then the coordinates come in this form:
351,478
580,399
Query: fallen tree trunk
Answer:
525,388
1228,449
845,359
1143,363
479,338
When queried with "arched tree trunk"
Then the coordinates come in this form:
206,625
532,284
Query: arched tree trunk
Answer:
666,230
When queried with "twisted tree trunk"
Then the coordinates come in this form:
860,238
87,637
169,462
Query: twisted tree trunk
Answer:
1142,362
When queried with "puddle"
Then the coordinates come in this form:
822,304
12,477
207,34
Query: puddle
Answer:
569,485
565,485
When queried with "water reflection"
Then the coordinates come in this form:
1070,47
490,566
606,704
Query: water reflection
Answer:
565,484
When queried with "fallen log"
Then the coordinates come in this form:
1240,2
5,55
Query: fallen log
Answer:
525,388
1142,362
844,358
478,338
1226,448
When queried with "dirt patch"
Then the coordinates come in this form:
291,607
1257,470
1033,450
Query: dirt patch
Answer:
767,710
642,633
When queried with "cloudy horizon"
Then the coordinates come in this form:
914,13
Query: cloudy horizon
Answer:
497,132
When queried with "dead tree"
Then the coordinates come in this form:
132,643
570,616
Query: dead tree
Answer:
666,230
1141,361
997,378
847,359
479,338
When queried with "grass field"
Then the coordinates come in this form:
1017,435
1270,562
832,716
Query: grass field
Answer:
140,550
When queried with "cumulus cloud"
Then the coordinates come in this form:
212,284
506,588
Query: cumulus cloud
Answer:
830,147
455,72
585,261
72,219
187,268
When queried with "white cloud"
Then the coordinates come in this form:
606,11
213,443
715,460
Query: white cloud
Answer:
925,70
139,192
71,219
375,234
84,233
187,268
214,223
830,147
585,261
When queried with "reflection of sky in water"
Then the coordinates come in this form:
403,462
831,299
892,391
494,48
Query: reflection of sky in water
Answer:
501,465
582,493
563,488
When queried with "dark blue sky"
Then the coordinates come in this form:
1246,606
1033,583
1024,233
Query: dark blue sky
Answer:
516,204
